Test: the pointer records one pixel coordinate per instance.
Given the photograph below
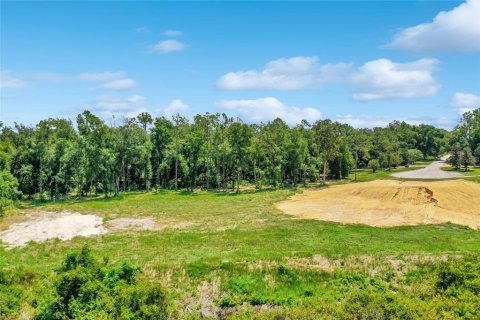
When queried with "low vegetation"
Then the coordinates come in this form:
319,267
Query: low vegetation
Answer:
238,257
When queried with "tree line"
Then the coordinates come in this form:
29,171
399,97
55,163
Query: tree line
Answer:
57,158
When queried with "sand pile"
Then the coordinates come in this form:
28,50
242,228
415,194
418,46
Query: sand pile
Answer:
386,203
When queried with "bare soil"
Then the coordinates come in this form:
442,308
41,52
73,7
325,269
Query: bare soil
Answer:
42,226
135,224
388,203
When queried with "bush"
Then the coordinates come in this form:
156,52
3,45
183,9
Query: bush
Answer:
374,165
8,189
85,289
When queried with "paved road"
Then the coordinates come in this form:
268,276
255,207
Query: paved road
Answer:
432,171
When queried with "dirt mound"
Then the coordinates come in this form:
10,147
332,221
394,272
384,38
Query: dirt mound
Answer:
400,194
387,203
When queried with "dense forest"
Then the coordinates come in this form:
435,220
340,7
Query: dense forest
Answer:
58,158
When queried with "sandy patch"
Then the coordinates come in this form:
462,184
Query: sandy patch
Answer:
387,203
131,224
43,226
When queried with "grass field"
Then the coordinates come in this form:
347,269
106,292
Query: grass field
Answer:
472,171
234,255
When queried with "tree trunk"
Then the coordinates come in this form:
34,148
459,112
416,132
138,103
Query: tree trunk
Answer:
324,171
176,172
238,181
356,164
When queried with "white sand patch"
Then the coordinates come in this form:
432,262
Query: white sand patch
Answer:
49,225
147,223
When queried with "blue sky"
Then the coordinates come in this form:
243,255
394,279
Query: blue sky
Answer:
364,63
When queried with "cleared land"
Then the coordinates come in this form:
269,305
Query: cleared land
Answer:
236,256
390,203
42,226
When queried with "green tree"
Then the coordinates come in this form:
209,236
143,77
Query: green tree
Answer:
466,158
374,165
326,138
240,136
455,158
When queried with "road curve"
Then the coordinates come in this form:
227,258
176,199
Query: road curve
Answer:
432,171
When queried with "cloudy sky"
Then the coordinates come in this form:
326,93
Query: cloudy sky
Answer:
363,63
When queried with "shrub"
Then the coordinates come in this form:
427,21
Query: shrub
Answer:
373,164
84,289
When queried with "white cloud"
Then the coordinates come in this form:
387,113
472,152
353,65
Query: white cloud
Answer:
384,79
364,121
107,106
109,80
101,76
119,84
465,102
269,108
8,80
167,46
457,30
47,76
175,106
172,33
142,30
292,73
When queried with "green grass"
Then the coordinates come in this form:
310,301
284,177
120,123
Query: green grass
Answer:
364,175
238,249
472,171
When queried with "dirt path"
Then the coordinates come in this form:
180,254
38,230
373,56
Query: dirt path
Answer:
432,171
388,203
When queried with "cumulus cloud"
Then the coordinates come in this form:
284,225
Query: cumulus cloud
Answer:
119,84
48,76
465,102
9,80
457,30
101,76
269,108
364,121
107,106
172,33
109,80
175,106
384,79
167,46
287,73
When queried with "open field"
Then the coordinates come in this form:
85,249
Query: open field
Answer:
226,255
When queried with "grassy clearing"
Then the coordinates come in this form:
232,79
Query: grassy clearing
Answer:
471,171
238,255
